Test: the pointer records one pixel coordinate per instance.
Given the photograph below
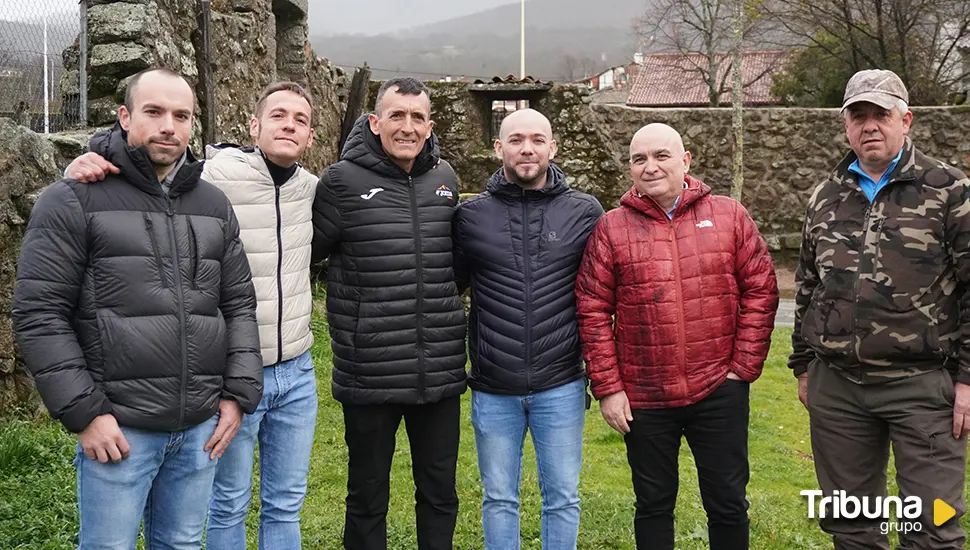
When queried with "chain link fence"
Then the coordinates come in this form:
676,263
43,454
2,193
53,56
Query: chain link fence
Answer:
37,39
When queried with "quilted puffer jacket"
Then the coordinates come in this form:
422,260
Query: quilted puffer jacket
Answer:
694,298
520,250
275,228
397,324
134,302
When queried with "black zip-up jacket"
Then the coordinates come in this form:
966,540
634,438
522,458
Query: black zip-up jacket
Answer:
519,251
135,303
396,321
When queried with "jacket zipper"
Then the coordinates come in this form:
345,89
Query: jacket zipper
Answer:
158,256
416,226
854,318
681,331
527,264
279,279
170,212
193,254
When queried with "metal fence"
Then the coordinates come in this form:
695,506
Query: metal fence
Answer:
39,47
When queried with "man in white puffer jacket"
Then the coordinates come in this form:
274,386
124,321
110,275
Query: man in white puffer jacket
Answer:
272,197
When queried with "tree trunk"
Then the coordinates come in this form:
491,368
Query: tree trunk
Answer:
737,105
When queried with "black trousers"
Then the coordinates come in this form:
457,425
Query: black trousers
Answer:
716,429
433,432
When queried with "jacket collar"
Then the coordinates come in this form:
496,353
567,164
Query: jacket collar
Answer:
364,149
905,169
555,184
136,167
695,190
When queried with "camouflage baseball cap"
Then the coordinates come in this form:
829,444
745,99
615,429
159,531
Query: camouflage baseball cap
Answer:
877,86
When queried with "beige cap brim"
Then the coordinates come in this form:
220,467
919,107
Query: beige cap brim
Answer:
884,100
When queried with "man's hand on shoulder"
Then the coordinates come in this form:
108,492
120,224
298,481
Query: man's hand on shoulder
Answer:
103,440
90,168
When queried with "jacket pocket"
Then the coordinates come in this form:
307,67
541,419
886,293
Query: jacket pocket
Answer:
827,328
115,346
149,226
193,253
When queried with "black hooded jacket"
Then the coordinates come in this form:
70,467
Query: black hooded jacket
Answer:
396,321
135,303
519,251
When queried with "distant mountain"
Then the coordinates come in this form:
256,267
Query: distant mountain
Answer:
328,17
565,40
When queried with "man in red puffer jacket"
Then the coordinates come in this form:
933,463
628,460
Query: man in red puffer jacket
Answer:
676,300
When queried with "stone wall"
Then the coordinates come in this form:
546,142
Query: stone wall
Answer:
254,42
787,151
28,162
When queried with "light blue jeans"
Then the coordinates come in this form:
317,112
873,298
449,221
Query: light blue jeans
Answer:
166,480
283,424
555,419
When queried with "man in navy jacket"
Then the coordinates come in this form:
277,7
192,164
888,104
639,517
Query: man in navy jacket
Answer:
518,246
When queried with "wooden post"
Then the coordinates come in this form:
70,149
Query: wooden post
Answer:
355,103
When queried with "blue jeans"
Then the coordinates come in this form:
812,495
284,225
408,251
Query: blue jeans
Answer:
166,480
283,424
555,418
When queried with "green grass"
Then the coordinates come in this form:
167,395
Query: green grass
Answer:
37,480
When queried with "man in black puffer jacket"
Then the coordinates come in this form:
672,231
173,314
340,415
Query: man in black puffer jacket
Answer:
519,246
383,216
135,312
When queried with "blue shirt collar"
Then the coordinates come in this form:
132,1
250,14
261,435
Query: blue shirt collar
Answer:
856,168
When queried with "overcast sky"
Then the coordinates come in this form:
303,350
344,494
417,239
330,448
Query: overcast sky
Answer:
325,17
379,16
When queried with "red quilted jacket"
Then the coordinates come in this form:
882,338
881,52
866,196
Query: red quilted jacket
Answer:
692,299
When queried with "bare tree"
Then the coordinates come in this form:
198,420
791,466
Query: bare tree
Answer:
701,32
919,39
737,102
575,68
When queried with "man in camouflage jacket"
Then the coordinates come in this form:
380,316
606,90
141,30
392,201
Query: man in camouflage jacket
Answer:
882,324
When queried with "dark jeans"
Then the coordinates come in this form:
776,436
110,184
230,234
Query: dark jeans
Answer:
853,427
716,429
433,432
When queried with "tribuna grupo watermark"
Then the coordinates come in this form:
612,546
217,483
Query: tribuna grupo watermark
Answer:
897,514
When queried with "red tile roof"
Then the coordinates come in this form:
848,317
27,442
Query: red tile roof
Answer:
670,80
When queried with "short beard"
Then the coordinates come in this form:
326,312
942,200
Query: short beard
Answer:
514,177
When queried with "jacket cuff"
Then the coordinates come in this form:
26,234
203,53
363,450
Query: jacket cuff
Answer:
245,394
606,388
963,376
799,369
84,412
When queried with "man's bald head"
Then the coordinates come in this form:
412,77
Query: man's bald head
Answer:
658,135
525,146
528,118
659,164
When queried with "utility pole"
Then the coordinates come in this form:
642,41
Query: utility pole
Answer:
522,44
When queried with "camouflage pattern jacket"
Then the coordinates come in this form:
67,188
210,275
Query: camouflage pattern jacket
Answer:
880,287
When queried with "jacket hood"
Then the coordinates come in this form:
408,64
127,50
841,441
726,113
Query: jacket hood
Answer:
364,149
695,190
136,167
555,183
